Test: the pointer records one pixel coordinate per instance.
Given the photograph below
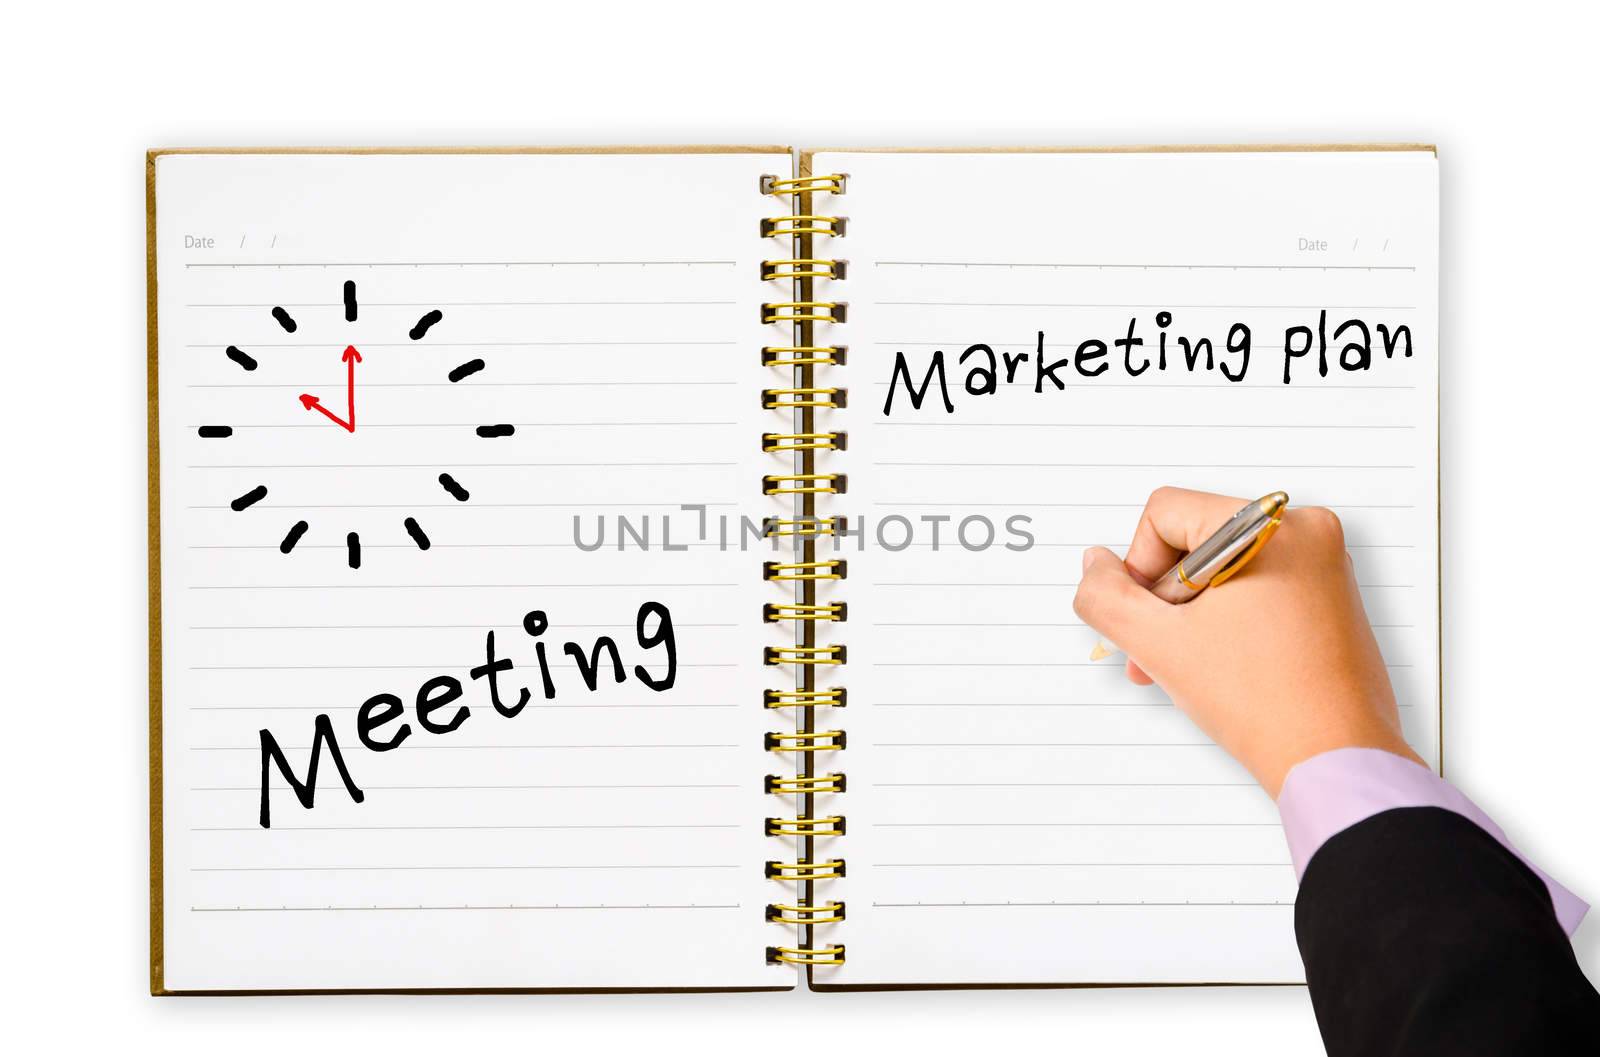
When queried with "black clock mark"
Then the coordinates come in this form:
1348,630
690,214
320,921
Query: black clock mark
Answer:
293,537
467,369
216,432
250,498
285,320
499,430
461,494
425,323
352,544
242,358
423,543
349,301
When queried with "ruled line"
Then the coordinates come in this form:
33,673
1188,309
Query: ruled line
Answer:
407,829
1156,465
1028,503
432,465
455,264
1158,305
413,587
1073,825
1073,865
1023,704
1064,785
1303,387
1138,425
978,624
1088,903
417,627
1033,343
1044,745
440,304
437,546
445,506
1039,583
471,425
462,385
1009,664
1009,623
435,345
352,708
1147,267
473,906
475,788
1114,544
492,866
393,667
447,745
1076,386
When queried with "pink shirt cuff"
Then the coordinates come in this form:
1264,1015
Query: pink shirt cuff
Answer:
1334,790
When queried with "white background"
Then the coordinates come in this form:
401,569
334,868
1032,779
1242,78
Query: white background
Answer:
1509,100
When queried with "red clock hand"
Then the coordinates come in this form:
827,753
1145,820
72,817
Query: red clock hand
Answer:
351,357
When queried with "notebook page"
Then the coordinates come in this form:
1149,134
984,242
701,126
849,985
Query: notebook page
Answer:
1018,814
543,340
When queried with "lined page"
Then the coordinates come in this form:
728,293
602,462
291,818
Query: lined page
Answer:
1018,814
549,345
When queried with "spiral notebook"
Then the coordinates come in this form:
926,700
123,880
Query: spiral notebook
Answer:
651,569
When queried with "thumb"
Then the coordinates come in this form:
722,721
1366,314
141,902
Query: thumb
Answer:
1111,602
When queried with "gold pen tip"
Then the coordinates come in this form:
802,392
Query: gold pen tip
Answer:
1100,652
1272,505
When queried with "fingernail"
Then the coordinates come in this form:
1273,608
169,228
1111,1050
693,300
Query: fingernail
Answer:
1090,556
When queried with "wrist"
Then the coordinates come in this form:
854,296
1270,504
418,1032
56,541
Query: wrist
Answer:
1367,733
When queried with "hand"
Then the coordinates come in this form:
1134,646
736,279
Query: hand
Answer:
1276,665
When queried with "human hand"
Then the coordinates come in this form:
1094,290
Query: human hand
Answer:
1278,664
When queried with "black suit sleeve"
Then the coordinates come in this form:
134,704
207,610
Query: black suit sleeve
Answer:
1421,934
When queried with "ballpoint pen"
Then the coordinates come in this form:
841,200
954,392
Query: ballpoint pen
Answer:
1224,553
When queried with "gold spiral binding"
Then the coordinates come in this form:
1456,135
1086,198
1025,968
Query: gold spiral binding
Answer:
771,185
803,268
826,826
805,914
832,697
772,612
773,655
803,355
832,569
805,784
797,224
804,740
804,311
775,442
802,483
808,526
802,397
805,869
833,954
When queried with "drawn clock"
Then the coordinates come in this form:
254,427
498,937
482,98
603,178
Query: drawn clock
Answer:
348,418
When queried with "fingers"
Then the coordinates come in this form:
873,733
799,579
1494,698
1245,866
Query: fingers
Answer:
1176,521
1111,602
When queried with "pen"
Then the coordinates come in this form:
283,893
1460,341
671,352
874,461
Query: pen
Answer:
1224,553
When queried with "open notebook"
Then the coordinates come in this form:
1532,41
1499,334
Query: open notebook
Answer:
652,569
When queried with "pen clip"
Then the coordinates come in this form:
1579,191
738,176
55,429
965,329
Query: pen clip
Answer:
1242,559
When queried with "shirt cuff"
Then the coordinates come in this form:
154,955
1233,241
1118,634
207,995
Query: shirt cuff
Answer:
1334,790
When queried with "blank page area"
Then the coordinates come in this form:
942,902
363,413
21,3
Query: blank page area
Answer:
542,338
1018,814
